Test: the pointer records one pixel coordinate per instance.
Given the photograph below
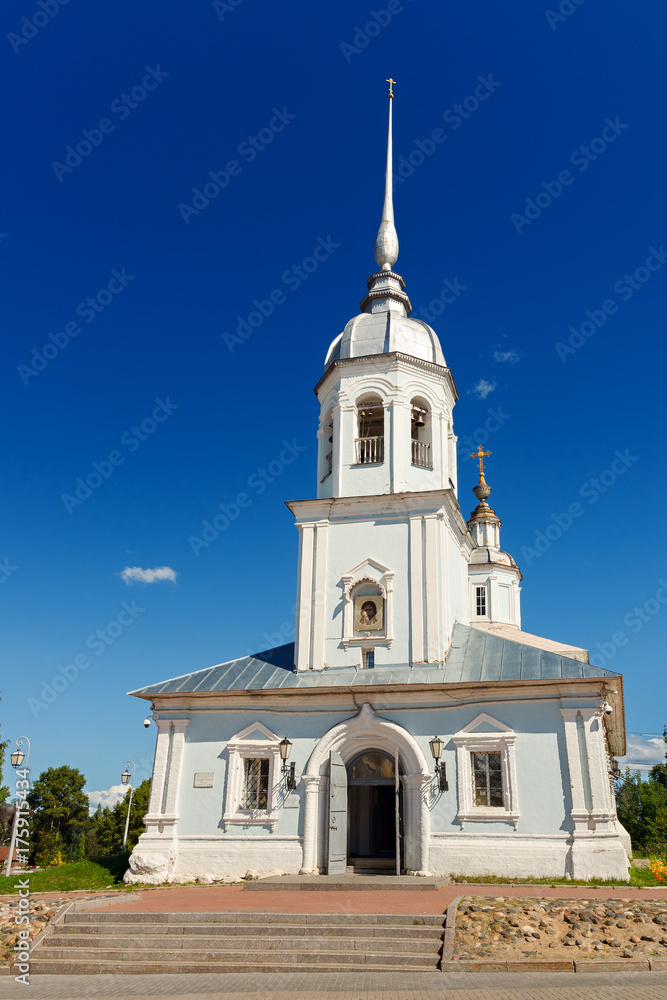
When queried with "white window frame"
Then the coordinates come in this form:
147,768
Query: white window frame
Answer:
239,749
487,614
374,573
501,741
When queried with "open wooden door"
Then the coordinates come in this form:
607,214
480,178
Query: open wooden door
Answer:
397,813
337,863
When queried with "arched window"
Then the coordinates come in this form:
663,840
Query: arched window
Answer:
327,446
420,422
371,767
368,609
369,444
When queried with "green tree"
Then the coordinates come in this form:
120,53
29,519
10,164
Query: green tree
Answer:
659,771
110,823
47,847
642,809
93,849
59,807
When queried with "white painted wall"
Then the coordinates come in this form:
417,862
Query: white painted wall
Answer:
557,831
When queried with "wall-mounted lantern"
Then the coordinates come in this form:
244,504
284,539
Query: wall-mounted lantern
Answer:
436,745
289,770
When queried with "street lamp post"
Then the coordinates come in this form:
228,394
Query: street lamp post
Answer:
17,759
125,778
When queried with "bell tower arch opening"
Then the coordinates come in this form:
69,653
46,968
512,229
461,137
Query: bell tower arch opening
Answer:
369,443
421,433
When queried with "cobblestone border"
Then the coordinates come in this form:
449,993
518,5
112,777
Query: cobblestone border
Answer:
582,965
558,965
59,916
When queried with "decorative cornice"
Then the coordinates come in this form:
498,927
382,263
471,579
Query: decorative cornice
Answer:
397,358
408,502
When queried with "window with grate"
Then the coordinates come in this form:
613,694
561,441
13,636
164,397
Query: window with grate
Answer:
368,658
487,779
256,783
480,600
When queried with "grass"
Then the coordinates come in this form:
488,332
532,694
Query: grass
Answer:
101,873
639,877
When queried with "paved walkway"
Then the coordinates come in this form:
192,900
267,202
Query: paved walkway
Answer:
188,899
349,986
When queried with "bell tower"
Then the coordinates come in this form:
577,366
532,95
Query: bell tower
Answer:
384,549
493,574
386,397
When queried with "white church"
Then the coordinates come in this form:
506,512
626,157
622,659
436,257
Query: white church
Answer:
412,727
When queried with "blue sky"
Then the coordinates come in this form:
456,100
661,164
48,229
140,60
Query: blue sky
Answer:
531,147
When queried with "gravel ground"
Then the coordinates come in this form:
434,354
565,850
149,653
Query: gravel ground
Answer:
40,914
514,927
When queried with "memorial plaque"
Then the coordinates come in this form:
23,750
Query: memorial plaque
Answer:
203,779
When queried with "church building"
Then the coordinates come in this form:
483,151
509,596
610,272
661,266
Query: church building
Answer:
412,727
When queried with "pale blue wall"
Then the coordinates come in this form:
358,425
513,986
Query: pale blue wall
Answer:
541,765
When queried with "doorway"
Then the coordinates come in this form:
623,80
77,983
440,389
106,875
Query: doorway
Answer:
372,813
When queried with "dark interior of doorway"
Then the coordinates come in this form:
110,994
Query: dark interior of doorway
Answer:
371,816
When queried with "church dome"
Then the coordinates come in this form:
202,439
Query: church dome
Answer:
384,333
485,554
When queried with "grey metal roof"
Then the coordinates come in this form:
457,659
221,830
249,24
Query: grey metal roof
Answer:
474,656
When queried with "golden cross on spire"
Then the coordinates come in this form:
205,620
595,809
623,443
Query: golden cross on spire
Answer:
480,454
391,86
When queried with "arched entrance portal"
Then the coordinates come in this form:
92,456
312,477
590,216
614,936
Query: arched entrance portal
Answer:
373,813
325,788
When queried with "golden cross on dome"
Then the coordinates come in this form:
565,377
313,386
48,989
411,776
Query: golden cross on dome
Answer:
480,454
391,86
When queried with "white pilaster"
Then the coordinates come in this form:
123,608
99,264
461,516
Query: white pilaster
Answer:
417,820
179,727
432,596
337,456
416,591
574,761
319,593
305,596
159,769
310,824
598,778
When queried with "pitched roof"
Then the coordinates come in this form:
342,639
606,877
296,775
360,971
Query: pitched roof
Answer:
474,656
478,655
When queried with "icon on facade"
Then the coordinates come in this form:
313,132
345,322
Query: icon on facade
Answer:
368,613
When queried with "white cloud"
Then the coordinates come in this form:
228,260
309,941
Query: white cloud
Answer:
483,388
107,797
512,356
642,753
134,574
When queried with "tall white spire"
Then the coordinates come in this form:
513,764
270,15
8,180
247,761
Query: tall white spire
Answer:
386,242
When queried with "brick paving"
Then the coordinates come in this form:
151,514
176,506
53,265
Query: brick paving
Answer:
348,986
185,899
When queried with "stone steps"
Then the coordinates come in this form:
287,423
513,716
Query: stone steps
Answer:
135,952
87,942
234,942
73,929
48,967
350,882
257,917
